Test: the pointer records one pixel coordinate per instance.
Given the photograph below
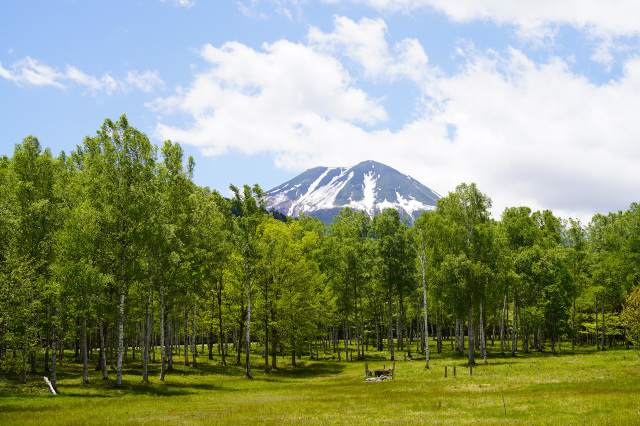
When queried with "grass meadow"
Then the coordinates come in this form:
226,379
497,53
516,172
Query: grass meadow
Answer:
581,387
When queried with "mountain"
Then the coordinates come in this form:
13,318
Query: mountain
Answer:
370,186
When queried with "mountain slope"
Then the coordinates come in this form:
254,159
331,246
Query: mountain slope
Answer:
369,186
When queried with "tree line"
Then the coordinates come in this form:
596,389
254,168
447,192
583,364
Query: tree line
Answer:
114,248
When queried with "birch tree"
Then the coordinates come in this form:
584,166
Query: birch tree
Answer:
250,209
422,242
121,162
466,209
396,262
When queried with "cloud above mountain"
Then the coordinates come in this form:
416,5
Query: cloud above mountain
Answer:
528,133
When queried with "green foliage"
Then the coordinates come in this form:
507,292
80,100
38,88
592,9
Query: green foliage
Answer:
630,316
123,245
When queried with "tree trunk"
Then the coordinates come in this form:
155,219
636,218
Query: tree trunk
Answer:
399,334
48,343
493,333
514,331
525,332
153,338
220,331
193,336
54,349
274,338
604,330
573,325
457,335
597,337
186,337
163,348
25,351
483,342
391,331
147,331
103,351
539,339
266,326
169,341
346,339
248,348
472,360
356,324
120,337
426,325
238,343
210,343
439,329
85,360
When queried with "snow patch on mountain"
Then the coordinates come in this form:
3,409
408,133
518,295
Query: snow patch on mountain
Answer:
319,197
409,207
368,188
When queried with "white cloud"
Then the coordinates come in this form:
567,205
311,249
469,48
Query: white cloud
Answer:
528,134
543,131
31,72
286,8
145,81
615,17
180,3
91,82
277,99
364,42
537,21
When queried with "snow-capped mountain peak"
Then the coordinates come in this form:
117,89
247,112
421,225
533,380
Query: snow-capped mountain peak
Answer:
369,186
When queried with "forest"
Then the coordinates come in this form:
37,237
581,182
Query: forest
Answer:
112,248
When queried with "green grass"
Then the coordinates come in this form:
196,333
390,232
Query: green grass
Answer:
581,387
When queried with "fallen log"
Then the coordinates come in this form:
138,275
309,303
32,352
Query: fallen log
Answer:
53,391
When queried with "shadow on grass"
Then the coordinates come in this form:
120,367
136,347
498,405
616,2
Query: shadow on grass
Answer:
306,370
108,389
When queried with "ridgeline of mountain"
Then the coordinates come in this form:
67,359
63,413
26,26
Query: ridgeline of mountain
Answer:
370,186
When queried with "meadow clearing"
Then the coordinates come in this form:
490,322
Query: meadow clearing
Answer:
581,387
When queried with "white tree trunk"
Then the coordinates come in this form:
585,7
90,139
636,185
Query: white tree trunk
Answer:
483,343
504,309
120,337
426,325
54,349
457,335
186,337
248,348
193,335
514,331
163,354
147,331
85,361
472,360
391,331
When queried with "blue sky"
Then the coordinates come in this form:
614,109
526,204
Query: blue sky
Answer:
535,101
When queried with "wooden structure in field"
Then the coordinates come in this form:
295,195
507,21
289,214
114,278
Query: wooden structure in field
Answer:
380,371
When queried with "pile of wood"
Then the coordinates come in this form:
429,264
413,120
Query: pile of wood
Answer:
377,379
379,374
